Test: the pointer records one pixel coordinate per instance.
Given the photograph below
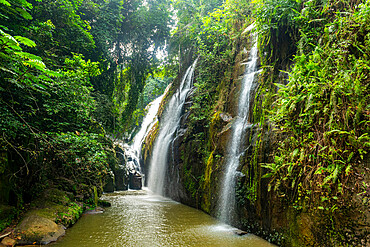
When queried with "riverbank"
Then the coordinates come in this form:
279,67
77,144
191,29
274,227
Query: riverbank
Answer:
45,219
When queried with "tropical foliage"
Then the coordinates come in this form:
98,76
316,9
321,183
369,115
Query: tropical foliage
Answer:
71,72
323,110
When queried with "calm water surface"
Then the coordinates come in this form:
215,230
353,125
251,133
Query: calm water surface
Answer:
141,219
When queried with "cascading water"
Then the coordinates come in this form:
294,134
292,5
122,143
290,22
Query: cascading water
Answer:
132,153
148,122
169,124
235,147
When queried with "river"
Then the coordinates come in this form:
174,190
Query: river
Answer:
140,219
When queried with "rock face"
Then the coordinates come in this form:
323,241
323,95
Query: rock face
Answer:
135,181
197,164
121,178
38,229
110,184
126,174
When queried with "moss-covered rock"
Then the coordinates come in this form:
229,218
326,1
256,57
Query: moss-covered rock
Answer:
57,206
36,229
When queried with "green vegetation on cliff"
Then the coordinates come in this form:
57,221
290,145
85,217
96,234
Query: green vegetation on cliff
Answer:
304,172
321,110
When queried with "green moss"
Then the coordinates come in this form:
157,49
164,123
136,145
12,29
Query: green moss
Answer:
189,182
149,141
58,206
96,198
70,214
206,186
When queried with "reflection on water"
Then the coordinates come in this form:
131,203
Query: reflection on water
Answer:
140,219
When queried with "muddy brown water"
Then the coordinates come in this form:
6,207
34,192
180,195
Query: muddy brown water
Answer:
141,219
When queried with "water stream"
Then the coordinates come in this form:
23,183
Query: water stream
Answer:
141,219
168,125
148,122
235,147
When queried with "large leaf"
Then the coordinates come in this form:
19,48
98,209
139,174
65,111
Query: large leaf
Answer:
37,64
24,13
5,2
7,70
6,38
25,41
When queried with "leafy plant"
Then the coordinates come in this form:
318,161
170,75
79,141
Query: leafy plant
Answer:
324,112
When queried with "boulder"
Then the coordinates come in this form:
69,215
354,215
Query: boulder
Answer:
8,242
110,184
36,229
135,181
240,232
104,204
121,178
97,210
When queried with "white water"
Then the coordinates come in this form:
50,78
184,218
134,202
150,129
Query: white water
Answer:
149,120
235,147
168,125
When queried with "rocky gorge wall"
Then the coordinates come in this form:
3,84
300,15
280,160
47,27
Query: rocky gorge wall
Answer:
197,164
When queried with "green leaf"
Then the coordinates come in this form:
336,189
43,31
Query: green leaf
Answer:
27,55
320,170
7,70
7,37
24,13
25,41
37,64
295,152
5,2
52,73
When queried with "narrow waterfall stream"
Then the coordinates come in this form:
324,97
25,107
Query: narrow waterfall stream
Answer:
169,124
132,152
141,219
148,122
235,147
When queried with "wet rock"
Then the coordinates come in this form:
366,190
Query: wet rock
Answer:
104,203
110,184
97,210
37,229
135,181
120,178
225,117
240,232
8,242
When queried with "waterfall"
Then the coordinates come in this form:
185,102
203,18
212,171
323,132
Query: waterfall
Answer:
235,147
132,152
148,122
169,124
